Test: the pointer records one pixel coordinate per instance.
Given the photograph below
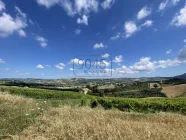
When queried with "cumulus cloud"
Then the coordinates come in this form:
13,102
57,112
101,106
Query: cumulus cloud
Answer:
144,65
106,55
9,25
169,51
78,7
42,41
168,63
107,4
144,12
84,20
77,31
40,66
180,18
124,70
72,7
130,28
2,61
60,66
22,33
76,61
118,59
99,45
184,41
2,6
147,23
116,37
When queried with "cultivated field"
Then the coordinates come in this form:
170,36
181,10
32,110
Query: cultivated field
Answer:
24,119
173,91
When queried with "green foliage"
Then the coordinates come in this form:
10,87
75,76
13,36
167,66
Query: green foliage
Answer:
124,104
42,93
145,105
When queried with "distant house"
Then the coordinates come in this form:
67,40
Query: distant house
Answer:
85,90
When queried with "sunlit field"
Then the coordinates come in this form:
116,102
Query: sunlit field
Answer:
25,118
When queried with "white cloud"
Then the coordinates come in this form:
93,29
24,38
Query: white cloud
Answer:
118,59
184,41
71,69
144,12
182,54
107,4
99,45
169,51
76,61
9,25
168,63
124,70
48,3
42,41
39,66
144,65
20,13
2,61
180,18
175,2
77,31
49,66
60,66
2,6
84,20
155,29
105,55
130,28
22,33
86,6
147,23
72,7
163,5
116,37
167,3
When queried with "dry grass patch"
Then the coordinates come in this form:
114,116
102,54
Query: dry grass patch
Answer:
173,91
68,123
16,113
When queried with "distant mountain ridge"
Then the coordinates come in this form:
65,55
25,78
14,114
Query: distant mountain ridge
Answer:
183,76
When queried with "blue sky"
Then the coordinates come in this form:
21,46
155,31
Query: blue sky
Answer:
41,38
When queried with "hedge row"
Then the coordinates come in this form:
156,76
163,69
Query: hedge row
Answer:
42,93
145,105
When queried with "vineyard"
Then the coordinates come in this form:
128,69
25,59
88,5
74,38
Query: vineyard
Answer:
177,105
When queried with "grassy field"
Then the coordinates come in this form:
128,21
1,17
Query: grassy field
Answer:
24,119
145,105
173,91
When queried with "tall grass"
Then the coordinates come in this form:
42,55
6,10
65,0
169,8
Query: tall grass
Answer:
17,113
66,123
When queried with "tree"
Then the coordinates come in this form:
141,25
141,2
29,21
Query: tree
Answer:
155,86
